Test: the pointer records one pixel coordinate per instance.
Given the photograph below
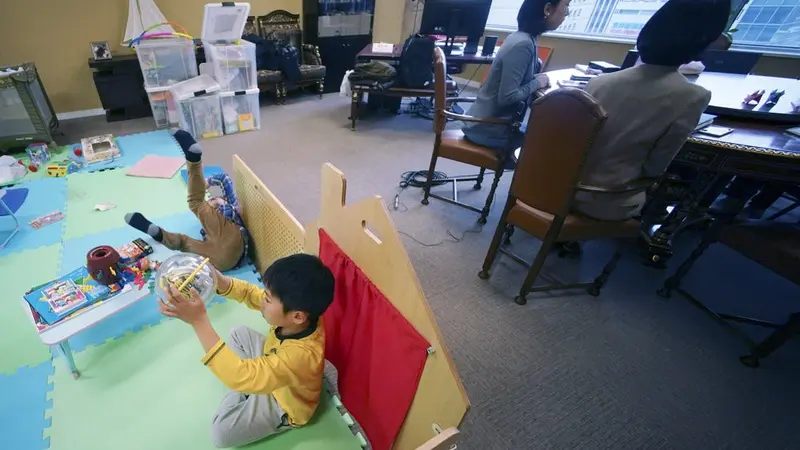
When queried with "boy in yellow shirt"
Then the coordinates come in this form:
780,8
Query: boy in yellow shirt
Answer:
274,380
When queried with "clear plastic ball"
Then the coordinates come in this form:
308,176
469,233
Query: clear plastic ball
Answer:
176,269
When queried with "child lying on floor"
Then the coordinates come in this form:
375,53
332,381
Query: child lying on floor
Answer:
225,240
274,380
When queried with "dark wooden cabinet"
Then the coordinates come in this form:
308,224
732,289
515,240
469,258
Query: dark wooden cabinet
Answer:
340,28
339,55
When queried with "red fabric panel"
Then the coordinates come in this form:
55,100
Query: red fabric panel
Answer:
379,355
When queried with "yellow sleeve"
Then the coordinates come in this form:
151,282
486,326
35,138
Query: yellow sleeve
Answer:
244,292
261,375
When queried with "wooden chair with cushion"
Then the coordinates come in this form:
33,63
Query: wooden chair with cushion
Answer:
561,131
772,244
284,26
452,144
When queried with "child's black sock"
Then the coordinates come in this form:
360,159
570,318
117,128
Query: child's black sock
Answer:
140,222
191,149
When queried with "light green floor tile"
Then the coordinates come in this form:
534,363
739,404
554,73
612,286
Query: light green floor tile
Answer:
152,197
149,391
20,345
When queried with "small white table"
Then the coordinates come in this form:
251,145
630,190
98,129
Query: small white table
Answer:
57,336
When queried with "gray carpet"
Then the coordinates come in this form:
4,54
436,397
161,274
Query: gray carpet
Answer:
627,370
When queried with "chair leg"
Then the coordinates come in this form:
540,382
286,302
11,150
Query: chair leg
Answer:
674,282
501,230
479,181
17,226
355,100
486,207
601,279
538,263
509,232
784,211
426,191
774,341
321,87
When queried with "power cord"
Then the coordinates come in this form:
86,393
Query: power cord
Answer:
417,178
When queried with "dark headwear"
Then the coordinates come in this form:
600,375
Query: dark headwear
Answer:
681,30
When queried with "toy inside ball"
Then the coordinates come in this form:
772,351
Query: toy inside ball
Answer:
178,268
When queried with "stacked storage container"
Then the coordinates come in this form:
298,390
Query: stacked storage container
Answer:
232,63
165,62
198,106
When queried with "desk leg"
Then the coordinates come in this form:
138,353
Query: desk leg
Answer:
355,102
659,242
66,352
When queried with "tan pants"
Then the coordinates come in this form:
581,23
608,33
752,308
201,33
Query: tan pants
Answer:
224,243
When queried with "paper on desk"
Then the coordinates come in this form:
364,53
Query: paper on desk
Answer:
382,47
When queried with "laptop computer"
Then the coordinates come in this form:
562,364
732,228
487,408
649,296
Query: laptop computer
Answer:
723,61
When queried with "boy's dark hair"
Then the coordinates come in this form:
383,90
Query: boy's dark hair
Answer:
302,283
530,17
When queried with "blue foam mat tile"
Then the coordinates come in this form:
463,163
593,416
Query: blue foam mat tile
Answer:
207,172
144,312
134,147
45,195
24,407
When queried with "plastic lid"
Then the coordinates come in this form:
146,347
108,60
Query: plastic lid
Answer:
153,89
224,22
232,93
194,87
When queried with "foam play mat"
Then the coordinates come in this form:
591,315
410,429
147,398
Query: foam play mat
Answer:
137,381
127,359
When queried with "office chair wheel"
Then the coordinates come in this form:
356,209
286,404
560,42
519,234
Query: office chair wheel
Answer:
594,291
425,201
520,300
482,220
483,275
749,361
664,293
477,187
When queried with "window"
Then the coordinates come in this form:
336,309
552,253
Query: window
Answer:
760,24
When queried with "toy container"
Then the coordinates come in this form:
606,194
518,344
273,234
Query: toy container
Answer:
198,105
240,111
232,60
165,111
166,61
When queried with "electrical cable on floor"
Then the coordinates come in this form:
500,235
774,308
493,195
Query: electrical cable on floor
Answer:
417,178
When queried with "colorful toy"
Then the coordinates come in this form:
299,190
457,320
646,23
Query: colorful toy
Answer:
186,271
182,33
38,154
99,148
773,98
138,272
56,170
754,98
103,263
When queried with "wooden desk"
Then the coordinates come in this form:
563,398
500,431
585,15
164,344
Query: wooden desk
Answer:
756,149
456,57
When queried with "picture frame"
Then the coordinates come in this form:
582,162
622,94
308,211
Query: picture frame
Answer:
100,50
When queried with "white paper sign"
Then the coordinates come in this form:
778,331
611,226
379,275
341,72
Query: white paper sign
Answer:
381,47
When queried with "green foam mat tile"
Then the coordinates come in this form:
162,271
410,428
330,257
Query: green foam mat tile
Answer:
153,197
149,390
20,345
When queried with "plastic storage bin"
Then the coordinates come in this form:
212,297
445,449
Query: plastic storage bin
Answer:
240,111
233,65
232,60
198,106
165,111
165,62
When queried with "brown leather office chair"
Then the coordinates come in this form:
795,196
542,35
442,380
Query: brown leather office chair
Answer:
561,131
452,144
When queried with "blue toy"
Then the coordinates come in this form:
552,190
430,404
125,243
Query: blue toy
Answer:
38,154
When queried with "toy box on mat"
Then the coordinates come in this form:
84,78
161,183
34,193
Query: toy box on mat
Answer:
240,111
99,149
165,111
198,105
232,60
166,61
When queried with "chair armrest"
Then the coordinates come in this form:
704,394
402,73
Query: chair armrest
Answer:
310,55
487,120
640,185
460,99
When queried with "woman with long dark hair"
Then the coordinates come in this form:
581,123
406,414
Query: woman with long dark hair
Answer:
513,76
